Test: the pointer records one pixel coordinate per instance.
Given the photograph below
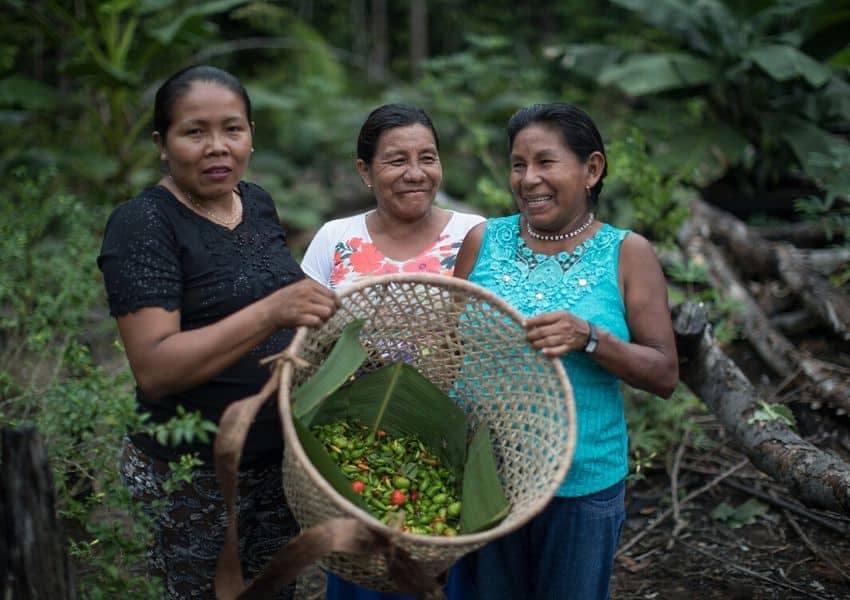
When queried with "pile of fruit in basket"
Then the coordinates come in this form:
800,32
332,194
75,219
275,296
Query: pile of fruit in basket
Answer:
393,474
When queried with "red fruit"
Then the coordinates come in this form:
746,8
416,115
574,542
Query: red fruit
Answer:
414,495
380,433
358,486
398,497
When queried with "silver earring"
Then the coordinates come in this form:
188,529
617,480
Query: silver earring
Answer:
252,149
587,188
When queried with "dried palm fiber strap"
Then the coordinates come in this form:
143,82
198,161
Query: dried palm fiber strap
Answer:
336,535
471,344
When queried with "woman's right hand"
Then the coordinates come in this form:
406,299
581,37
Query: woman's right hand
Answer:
305,303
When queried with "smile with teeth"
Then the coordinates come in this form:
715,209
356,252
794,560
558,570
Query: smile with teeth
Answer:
537,199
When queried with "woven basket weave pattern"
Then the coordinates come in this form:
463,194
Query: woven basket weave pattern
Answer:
471,345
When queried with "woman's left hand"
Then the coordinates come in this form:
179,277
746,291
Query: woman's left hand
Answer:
556,333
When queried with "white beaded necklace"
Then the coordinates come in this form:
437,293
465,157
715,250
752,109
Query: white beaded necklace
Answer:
560,236
236,209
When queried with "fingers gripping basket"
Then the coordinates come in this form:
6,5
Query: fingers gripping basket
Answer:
470,344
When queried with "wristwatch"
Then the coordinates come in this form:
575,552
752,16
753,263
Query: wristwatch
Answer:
592,339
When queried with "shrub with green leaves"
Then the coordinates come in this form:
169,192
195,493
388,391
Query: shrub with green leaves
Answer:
52,320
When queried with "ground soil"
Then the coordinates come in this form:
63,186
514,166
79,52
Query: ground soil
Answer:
788,552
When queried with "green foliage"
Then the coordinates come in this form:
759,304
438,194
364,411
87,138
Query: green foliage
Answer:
767,413
735,517
648,204
101,57
657,424
725,87
51,324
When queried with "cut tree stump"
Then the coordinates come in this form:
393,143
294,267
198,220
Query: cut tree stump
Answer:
33,561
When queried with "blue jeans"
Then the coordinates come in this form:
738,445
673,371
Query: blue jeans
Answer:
459,587
565,553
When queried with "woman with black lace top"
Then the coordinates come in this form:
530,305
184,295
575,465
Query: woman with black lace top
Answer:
202,285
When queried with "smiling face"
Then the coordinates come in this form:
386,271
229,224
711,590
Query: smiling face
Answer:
208,144
548,180
405,172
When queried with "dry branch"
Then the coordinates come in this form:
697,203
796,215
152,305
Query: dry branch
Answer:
755,254
830,381
814,476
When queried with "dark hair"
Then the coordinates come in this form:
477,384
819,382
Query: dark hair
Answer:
575,126
178,85
389,116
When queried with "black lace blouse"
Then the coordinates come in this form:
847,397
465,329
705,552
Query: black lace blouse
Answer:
156,252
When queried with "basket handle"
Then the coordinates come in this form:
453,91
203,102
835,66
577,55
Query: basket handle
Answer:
347,535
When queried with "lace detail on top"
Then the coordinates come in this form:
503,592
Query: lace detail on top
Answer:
585,283
537,283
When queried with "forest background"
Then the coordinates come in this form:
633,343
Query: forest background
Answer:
744,104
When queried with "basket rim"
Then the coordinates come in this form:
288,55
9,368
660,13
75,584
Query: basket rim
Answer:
293,444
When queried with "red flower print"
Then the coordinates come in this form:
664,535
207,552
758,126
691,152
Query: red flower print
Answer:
386,268
366,259
423,264
354,243
339,272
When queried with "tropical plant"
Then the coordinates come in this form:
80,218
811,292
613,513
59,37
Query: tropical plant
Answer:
719,86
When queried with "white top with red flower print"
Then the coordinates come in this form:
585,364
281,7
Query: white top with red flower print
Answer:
342,251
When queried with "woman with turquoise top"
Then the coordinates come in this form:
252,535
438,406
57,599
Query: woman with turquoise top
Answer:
594,296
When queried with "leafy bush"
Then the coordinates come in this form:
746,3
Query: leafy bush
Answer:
52,321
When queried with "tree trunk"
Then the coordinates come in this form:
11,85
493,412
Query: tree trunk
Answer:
816,477
418,36
378,63
33,561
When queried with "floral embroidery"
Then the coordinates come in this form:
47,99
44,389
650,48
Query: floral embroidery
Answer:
357,257
540,282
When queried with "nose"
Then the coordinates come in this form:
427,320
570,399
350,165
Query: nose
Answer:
217,143
530,177
414,173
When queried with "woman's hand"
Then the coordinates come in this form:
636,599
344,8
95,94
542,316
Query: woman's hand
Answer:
556,333
306,303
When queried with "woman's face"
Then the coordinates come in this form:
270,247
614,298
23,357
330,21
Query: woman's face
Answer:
548,180
208,144
405,173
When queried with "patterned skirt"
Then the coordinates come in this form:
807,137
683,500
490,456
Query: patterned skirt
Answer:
190,523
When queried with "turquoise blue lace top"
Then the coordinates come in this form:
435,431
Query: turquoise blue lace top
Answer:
584,283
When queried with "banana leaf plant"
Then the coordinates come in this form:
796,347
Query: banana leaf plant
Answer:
398,399
754,87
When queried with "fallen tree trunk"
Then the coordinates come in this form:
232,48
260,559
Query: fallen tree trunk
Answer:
779,260
831,382
814,476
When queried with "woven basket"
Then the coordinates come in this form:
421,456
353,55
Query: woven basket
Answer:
471,344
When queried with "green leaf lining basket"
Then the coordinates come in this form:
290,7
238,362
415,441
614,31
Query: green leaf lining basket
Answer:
471,344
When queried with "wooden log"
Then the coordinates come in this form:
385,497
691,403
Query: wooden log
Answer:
816,477
755,254
33,560
802,235
831,382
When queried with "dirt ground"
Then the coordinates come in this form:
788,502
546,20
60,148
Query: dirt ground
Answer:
786,552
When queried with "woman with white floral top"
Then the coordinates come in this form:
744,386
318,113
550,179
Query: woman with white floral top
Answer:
398,159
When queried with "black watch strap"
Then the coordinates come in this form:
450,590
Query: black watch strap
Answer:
592,339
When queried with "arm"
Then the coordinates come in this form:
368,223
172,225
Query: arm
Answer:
649,362
166,360
468,253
